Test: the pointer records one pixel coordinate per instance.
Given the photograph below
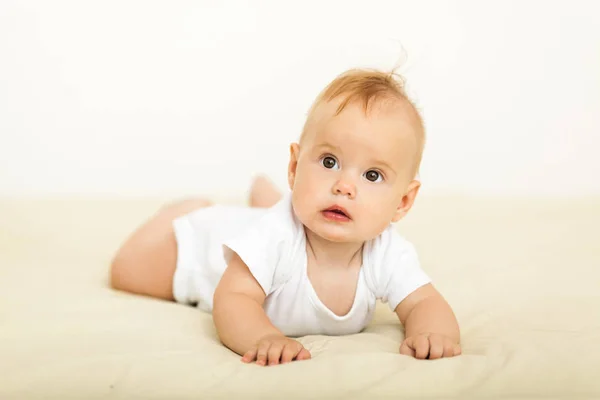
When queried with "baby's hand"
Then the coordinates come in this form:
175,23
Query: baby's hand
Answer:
430,345
273,348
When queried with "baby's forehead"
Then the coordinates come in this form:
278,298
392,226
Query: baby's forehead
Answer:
392,118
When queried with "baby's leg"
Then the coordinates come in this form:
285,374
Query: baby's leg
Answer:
146,262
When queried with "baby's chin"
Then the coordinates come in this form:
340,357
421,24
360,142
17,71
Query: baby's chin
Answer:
337,234
333,237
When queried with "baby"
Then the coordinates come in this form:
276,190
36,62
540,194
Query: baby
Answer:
313,260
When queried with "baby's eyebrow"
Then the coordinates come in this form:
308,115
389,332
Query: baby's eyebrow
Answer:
327,146
384,164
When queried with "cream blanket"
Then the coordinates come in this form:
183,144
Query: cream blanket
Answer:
522,275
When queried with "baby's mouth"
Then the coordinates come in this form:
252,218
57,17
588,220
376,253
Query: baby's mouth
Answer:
336,213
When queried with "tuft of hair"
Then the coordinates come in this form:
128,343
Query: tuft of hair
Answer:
369,87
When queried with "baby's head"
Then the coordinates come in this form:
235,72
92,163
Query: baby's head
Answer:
358,155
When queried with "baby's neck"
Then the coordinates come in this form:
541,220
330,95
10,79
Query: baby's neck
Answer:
333,254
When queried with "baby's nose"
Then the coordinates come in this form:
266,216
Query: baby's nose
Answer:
345,188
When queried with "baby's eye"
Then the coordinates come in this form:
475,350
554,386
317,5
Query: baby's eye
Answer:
329,162
373,176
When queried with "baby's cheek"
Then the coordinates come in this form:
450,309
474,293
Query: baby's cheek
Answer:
307,184
375,221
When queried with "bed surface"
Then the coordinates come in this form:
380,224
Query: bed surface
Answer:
523,276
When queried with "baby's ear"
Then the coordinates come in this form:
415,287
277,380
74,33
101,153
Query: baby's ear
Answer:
294,153
407,200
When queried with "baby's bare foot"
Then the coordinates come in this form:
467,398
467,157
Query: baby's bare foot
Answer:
263,193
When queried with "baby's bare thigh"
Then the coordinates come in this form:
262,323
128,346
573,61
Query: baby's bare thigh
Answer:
145,263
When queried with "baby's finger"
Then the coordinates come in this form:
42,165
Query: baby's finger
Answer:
410,342
303,354
406,350
421,346
275,353
263,349
457,350
436,347
289,352
250,355
448,349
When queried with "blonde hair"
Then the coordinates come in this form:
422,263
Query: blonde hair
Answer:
369,87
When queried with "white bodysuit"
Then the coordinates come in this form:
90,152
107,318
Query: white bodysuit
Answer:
272,243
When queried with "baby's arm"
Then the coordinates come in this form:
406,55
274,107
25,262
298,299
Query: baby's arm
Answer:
430,325
242,324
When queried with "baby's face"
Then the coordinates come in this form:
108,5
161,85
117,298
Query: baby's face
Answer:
353,171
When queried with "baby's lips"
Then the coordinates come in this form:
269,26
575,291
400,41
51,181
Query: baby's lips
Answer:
339,209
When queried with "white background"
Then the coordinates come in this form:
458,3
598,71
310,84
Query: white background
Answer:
144,98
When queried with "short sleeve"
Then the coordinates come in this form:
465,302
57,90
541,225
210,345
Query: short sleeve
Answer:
257,253
396,268
262,246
